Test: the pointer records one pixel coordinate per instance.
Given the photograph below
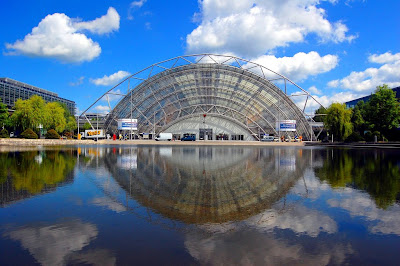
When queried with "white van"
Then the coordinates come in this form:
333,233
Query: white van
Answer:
164,136
267,138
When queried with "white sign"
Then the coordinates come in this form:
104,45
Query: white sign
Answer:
127,124
286,125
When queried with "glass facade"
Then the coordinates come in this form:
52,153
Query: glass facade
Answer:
11,90
233,102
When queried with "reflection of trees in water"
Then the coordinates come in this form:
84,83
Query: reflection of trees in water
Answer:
247,181
23,174
374,171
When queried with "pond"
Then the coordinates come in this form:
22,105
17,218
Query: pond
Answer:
196,205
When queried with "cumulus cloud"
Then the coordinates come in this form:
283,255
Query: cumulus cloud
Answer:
314,90
110,80
58,36
105,24
230,26
384,58
300,66
366,81
103,109
324,100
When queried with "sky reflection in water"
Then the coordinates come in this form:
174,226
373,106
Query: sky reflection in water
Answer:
199,205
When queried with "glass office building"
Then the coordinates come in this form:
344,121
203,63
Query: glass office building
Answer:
11,90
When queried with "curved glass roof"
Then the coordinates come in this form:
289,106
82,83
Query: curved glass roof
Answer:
208,88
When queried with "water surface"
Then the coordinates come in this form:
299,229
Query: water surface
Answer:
204,205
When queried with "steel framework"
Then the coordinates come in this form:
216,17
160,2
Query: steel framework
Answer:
233,89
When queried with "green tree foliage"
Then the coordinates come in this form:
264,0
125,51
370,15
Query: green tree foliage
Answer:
338,121
29,113
357,118
87,126
71,124
382,111
374,171
4,133
4,116
320,114
34,112
55,117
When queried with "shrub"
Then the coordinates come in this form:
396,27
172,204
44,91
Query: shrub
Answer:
69,135
354,137
4,134
29,134
52,134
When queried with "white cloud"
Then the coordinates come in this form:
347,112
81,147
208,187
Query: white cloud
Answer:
250,28
110,80
385,58
105,24
135,5
57,36
366,81
300,66
314,90
78,82
138,4
103,109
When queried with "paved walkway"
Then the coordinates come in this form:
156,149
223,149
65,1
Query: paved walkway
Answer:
58,142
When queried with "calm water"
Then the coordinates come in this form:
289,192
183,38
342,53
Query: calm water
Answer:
200,205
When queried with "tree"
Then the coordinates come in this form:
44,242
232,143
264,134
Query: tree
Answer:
29,113
320,114
382,110
338,121
71,124
55,117
357,118
4,116
87,126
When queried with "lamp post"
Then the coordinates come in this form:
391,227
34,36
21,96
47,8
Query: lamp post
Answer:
204,126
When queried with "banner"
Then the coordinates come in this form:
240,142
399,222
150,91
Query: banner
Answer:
92,134
127,124
286,125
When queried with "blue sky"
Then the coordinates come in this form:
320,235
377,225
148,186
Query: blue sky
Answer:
337,50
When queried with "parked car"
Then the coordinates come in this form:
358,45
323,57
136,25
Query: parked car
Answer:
268,138
188,138
11,134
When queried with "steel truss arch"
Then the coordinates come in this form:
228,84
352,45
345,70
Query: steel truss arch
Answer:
173,87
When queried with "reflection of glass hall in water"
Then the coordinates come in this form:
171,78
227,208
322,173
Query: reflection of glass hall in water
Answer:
203,184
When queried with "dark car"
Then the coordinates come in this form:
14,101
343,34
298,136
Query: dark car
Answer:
188,138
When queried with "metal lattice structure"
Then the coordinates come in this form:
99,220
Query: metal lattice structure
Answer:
239,94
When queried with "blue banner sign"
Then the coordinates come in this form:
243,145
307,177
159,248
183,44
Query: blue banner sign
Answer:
286,125
127,124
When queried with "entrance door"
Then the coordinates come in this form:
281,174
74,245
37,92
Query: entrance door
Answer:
205,134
